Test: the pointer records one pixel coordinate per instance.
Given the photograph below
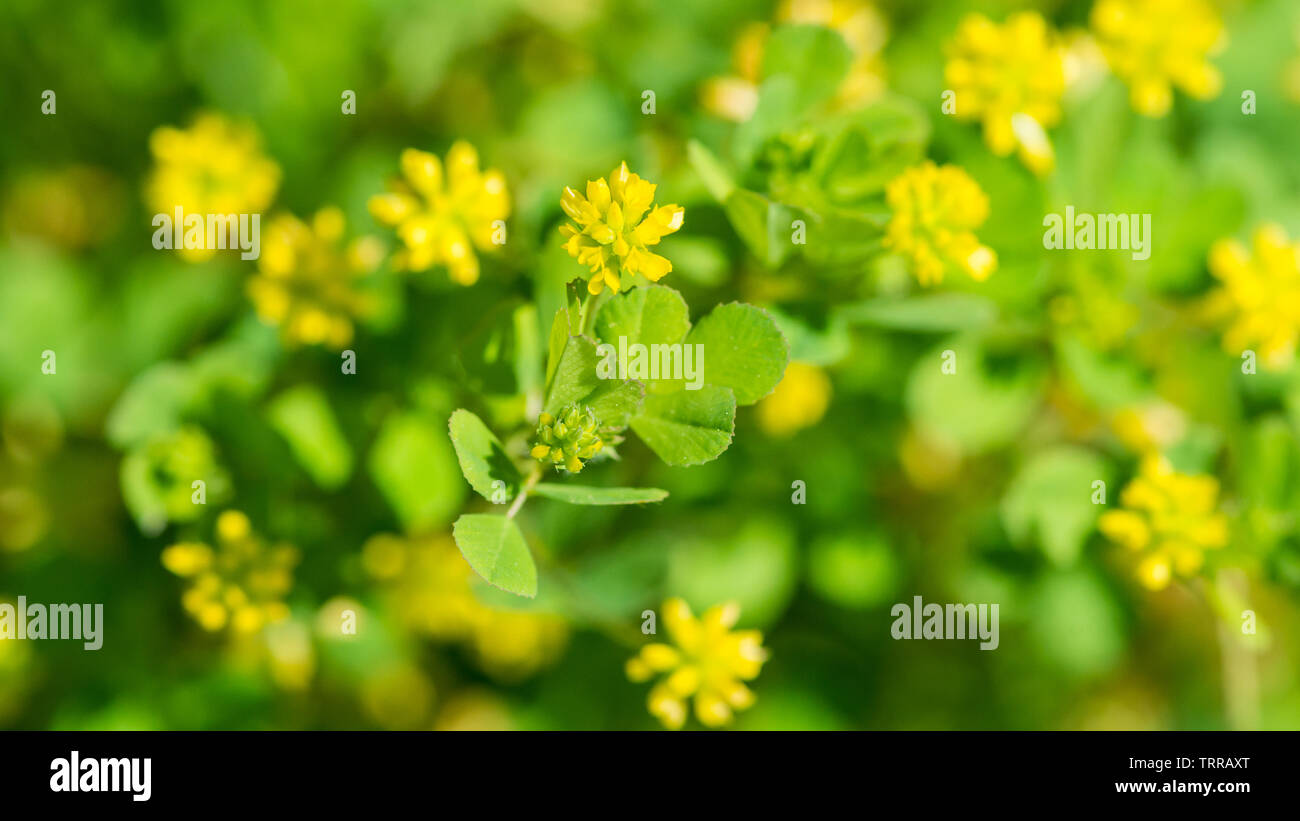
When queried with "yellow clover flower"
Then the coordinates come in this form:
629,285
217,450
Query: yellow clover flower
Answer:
216,166
708,662
1261,290
442,215
1170,517
616,223
1154,45
241,584
306,282
799,401
1011,78
935,210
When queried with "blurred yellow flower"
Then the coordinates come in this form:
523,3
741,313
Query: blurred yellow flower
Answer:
1154,45
616,223
216,166
399,697
735,96
442,215
241,584
1148,427
1011,78
864,29
1260,294
708,663
799,401
935,211
1170,517
431,590
306,280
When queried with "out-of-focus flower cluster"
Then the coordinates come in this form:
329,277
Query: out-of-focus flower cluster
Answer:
429,587
239,585
444,211
307,279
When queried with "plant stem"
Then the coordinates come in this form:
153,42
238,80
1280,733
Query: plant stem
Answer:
533,479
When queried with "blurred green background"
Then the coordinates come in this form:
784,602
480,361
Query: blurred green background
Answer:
974,489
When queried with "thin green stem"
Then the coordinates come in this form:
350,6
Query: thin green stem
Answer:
533,479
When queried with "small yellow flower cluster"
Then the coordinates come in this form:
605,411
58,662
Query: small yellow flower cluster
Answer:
569,440
307,278
214,167
708,662
1011,78
616,222
1261,291
935,211
1154,45
1170,517
799,401
241,584
443,214
430,589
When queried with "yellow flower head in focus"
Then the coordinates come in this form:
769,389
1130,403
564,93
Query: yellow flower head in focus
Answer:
709,662
1261,294
616,223
1011,78
799,401
1154,45
935,211
430,587
241,584
1171,518
306,280
215,166
443,211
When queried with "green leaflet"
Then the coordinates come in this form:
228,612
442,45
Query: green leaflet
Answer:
482,459
414,466
303,417
579,495
688,427
495,548
743,349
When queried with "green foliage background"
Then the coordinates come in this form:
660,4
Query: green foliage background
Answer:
551,93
